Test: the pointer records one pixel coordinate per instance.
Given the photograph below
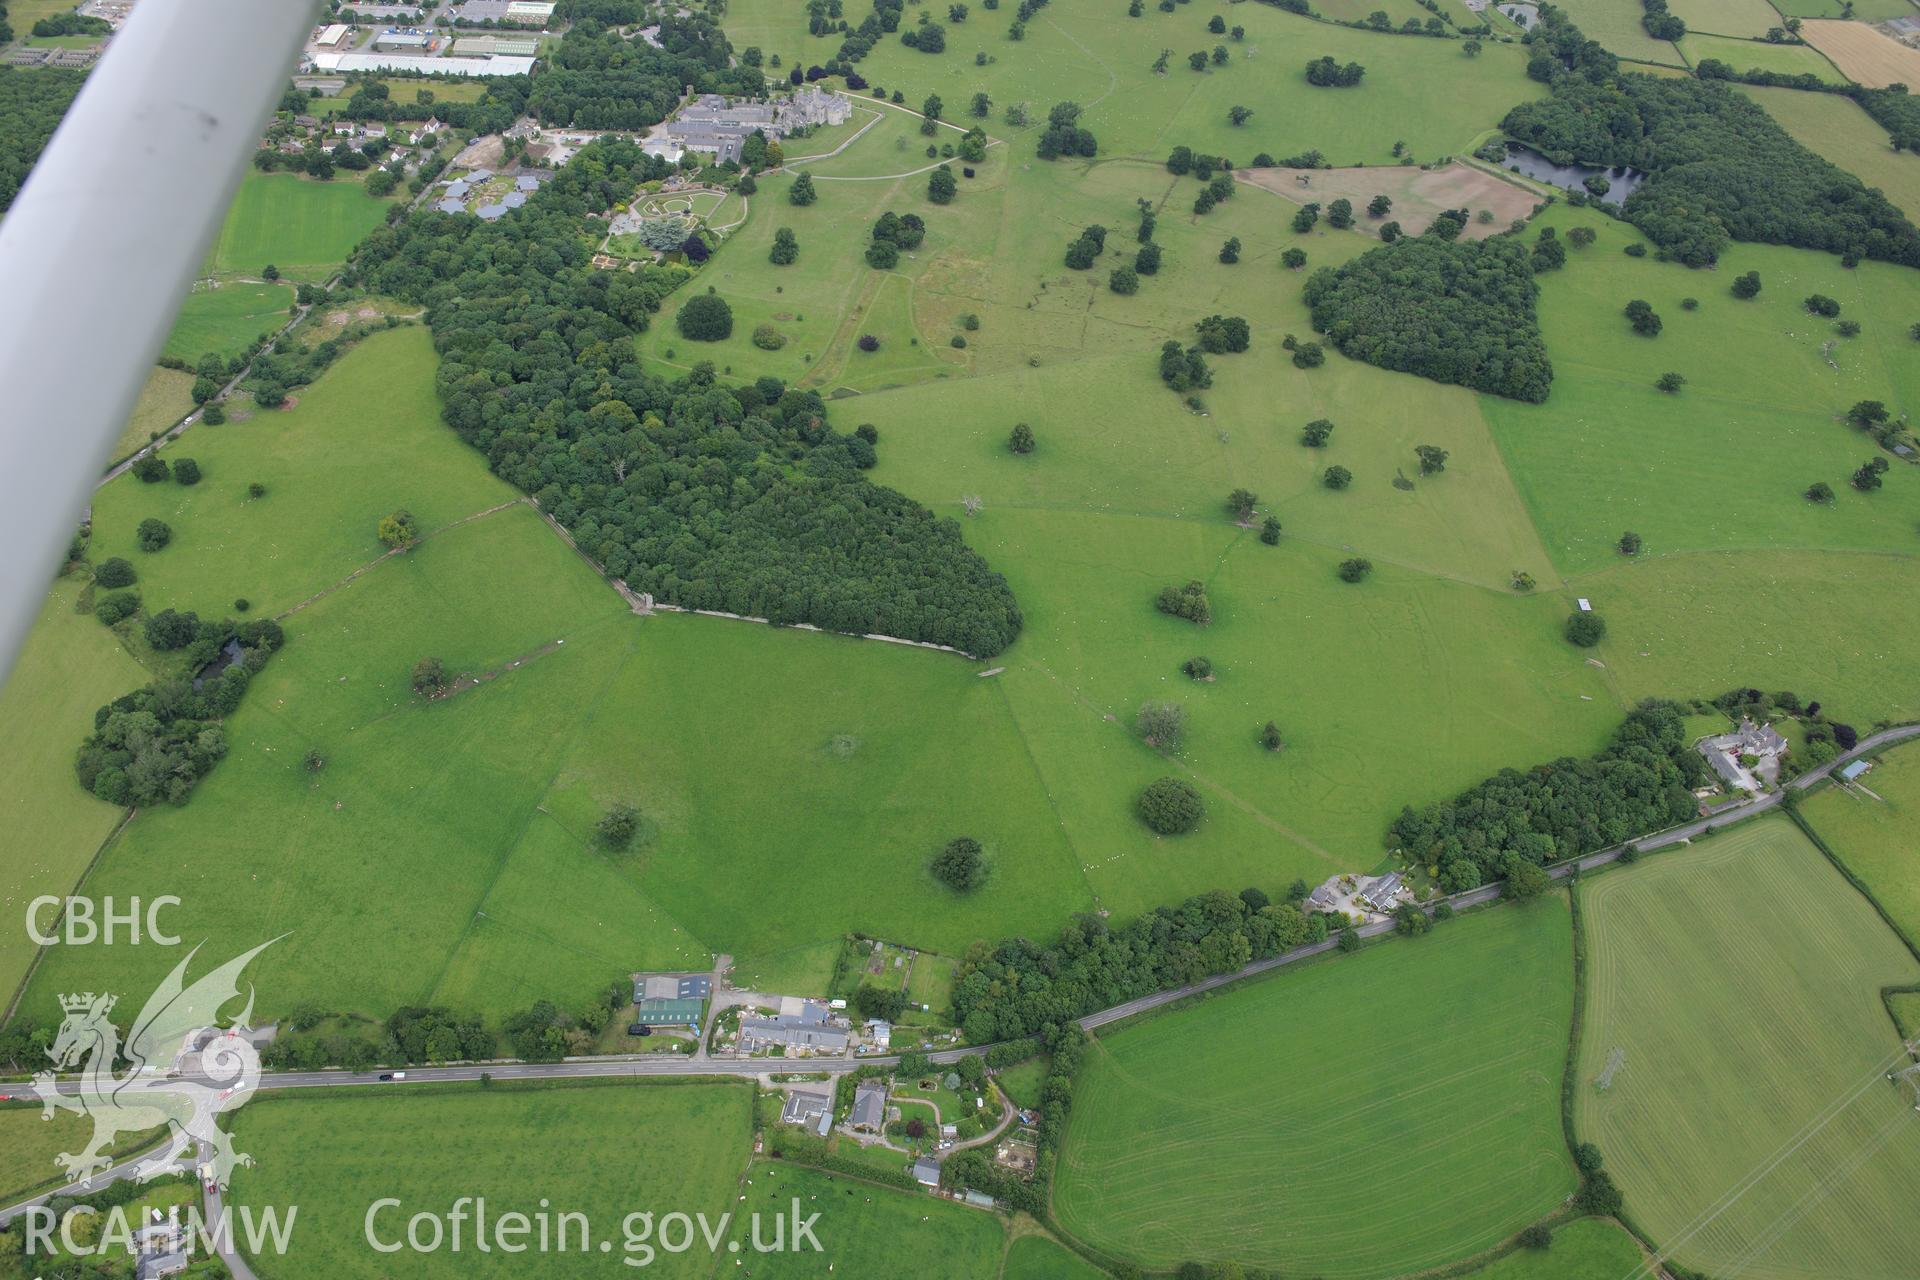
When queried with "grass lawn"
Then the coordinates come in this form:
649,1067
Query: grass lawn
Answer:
167,398
1039,1257
1838,129
1748,55
866,1229
592,1150
332,470
1589,1249
303,226
71,665
1022,1082
1749,1122
1405,1112
1871,827
224,320
777,27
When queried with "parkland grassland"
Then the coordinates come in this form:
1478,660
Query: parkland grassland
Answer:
1283,1123
1734,990
1365,1115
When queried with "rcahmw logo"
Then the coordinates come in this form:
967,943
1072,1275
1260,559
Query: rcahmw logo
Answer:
186,1069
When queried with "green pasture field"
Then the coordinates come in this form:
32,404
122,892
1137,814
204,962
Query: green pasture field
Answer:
1722,464
1700,623
303,226
886,750
332,471
1863,10
71,665
1906,1013
604,1151
22,14
1587,1249
1871,827
419,807
167,398
1838,129
1742,18
1749,1121
866,1229
403,89
1039,1257
224,320
1405,1111
1749,55
28,1144
1083,51
806,969
1616,25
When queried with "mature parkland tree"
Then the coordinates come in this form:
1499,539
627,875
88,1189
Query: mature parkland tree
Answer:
1585,629
705,317
1171,806
960,865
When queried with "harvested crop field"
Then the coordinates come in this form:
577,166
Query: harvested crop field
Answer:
1419,195
1867,55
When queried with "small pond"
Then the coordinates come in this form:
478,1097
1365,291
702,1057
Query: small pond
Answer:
1623,181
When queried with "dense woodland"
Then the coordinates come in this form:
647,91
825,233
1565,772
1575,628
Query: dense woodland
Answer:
1458,311
601,80
1020,988
739,499
1721,168
1898,112
151,746
1641,782
31,104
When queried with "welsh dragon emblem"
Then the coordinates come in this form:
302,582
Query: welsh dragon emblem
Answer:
178,1022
